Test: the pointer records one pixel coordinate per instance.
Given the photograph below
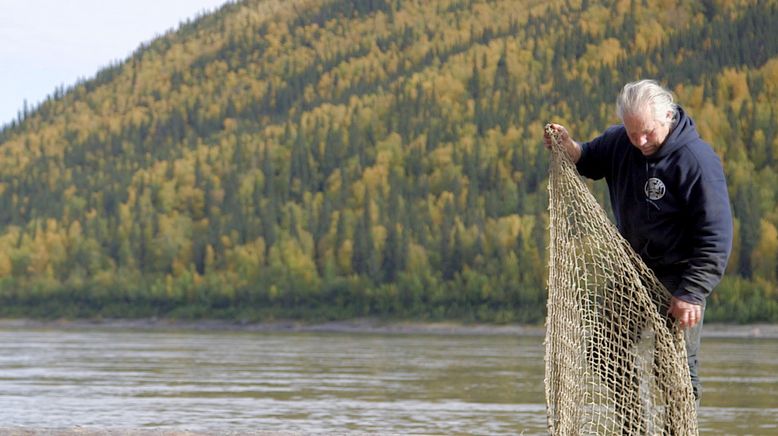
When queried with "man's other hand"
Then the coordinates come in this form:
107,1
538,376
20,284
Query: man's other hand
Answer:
687,314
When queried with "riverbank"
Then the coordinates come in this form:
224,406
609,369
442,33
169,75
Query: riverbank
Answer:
372,326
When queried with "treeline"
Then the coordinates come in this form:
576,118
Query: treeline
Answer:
381,158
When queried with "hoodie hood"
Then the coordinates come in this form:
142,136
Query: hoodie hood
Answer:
682,134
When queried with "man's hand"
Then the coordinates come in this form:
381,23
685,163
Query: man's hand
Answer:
572,148
687,314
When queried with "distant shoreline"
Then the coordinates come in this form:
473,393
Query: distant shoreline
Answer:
373,326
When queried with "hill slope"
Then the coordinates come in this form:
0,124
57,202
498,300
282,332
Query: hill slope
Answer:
381,157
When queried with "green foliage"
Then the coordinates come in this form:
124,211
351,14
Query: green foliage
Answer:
375,158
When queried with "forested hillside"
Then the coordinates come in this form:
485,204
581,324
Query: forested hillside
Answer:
339,158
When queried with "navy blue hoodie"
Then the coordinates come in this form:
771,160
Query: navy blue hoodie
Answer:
672,206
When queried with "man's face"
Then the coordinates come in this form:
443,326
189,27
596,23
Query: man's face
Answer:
645,132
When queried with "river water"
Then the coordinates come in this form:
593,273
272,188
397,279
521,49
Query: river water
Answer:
226,381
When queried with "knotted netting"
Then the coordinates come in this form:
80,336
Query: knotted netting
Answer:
614,363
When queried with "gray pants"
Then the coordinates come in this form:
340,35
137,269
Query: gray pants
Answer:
691,336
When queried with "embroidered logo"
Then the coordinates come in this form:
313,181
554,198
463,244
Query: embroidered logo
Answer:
655,188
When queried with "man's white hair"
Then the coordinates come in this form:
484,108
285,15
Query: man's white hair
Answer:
646,96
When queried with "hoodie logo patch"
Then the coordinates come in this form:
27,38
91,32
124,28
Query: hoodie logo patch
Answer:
655,188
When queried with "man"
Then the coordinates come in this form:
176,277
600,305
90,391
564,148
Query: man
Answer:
669,198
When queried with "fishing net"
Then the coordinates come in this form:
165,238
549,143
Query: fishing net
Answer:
615,364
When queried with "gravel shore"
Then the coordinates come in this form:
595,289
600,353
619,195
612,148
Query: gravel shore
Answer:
352,326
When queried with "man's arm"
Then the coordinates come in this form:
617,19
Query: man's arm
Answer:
571,147
711,222
712,240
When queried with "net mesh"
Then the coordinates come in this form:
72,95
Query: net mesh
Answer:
615,364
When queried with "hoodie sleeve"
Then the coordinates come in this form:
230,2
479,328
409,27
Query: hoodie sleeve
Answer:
711,221
596,155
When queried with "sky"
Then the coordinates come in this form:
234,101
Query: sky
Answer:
48,43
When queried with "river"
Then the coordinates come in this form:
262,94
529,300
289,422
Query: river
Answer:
326,382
